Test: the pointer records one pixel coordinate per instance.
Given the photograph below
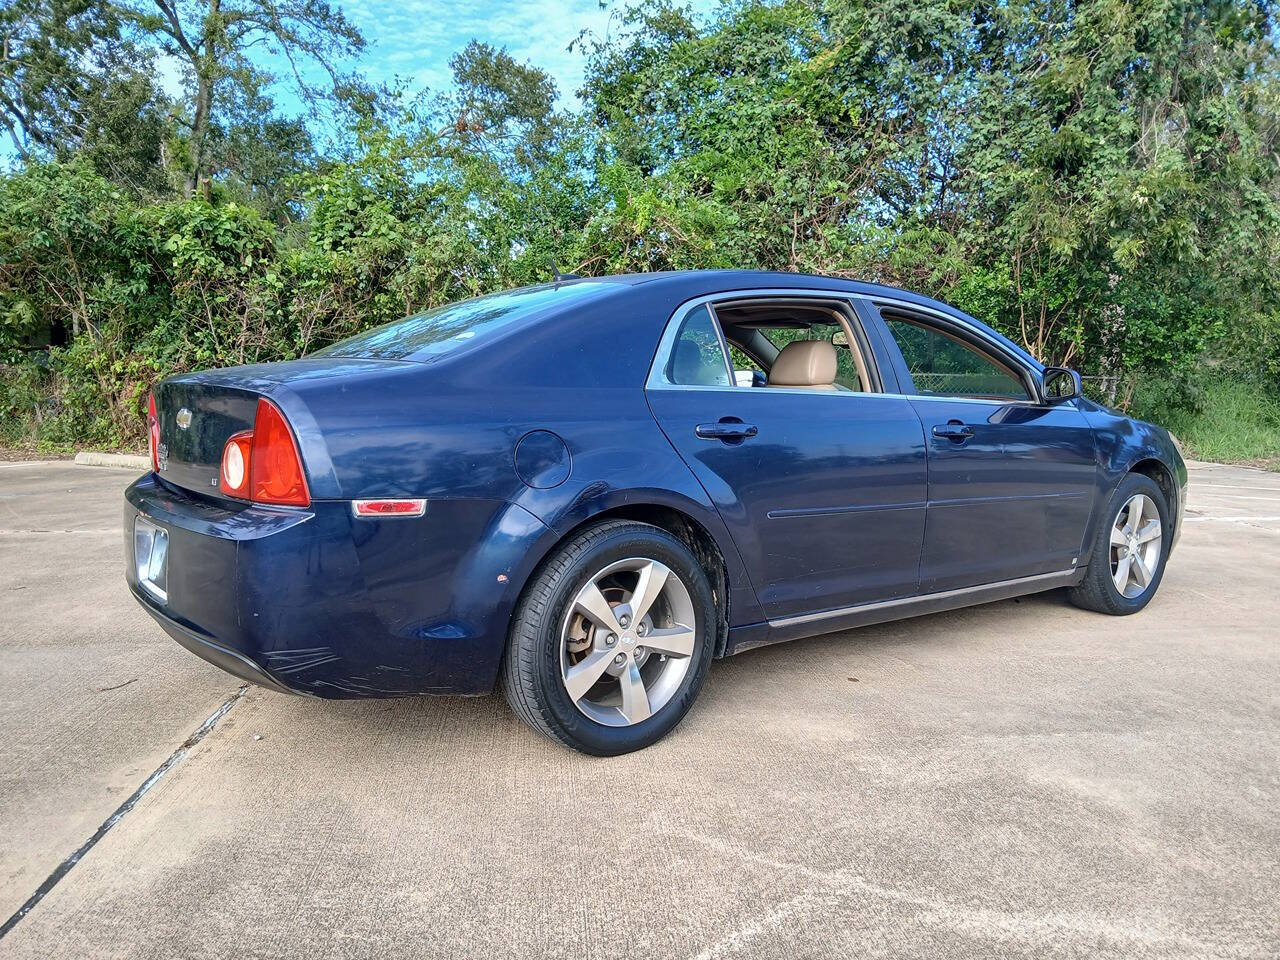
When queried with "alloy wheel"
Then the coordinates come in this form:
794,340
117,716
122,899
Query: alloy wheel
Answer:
1136,535
627,641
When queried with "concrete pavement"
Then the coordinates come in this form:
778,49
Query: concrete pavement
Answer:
1022,779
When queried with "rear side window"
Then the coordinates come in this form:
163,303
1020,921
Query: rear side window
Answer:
425,336
697,359
947,367
846,363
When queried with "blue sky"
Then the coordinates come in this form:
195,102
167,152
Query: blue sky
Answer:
414,40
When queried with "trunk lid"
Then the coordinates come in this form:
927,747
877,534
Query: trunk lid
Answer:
191,456
198,412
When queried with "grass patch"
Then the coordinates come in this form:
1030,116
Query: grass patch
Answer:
1224,421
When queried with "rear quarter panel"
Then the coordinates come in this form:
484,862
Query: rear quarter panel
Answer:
448,430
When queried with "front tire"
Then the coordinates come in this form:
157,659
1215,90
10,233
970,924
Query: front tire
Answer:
1127,562
611,640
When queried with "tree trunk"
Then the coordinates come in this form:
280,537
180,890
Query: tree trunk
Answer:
199,130
205,65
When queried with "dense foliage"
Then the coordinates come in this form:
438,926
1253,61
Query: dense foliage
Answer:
1100,179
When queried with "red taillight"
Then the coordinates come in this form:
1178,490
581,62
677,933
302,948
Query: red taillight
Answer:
153,432
277,475
263,464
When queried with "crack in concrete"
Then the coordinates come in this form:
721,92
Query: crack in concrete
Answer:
844,885
117,686
65,866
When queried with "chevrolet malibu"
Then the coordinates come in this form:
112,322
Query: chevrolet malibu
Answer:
585,492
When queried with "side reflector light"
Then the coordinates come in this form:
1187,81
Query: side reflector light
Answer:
388,508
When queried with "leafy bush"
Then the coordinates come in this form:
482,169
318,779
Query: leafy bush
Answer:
1228,420
1098,180
1172,396
26,402
133,291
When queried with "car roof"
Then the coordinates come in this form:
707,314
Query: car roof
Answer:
734,277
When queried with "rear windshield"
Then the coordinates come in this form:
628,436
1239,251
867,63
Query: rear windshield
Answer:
425,336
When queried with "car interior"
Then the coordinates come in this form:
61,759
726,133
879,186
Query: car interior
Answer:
793,344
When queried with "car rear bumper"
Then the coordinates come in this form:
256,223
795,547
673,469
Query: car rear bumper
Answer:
314,601
232,661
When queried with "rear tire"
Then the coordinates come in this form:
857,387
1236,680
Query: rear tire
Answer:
611,640
1129,550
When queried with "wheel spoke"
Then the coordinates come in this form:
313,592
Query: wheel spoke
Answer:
591,603
1141,572
1135,513
635,699
1121,575
653,577
676,641
1117,537
1150,531
581,677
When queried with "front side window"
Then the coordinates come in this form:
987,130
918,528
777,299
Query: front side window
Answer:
697,359
944,366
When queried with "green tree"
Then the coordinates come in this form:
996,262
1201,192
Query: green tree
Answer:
1076,172
500,105
259,161
212,39
1119,153
1098,178
71,84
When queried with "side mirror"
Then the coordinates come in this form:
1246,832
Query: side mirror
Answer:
1060,384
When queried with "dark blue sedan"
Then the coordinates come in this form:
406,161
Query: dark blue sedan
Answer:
585,492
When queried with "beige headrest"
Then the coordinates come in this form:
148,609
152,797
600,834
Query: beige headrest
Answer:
804,363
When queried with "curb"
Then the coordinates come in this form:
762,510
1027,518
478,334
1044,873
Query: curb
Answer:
131,461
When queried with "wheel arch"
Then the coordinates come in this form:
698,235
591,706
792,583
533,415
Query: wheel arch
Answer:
681,525
1158,471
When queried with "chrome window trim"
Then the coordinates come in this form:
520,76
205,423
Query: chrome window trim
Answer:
984,401
657,377
724,344
861,394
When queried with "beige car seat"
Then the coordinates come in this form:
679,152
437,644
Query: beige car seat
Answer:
805,363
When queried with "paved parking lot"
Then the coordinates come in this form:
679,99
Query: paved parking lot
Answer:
1022,780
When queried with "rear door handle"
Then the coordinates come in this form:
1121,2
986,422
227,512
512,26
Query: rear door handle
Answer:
728,429
953,430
